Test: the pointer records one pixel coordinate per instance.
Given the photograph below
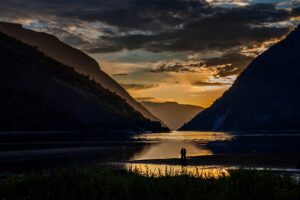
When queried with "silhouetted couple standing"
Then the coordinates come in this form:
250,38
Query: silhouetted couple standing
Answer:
183,154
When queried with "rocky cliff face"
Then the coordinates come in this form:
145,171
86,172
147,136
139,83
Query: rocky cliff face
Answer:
265,96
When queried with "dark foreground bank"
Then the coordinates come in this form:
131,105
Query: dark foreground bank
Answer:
100,183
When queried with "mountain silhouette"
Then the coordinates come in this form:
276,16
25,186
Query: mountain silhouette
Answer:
39,93
82,63
265,96
173,114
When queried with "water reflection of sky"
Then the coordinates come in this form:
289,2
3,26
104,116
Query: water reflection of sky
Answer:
168,145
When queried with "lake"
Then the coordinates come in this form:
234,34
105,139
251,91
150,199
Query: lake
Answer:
215,152
211,152
168,145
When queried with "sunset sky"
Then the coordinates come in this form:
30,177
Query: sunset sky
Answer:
188,51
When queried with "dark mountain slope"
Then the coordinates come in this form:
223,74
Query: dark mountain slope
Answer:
39,93
266,96
82,63
173,114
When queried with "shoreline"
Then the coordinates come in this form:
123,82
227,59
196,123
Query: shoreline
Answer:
242,160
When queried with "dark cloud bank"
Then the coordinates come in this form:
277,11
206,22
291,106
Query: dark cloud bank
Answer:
229,64
161,25
198,29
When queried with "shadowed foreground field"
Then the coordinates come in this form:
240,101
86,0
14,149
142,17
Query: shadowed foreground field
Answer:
102,183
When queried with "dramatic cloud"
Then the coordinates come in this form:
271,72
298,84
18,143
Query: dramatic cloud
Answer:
177,67
222,29
146,15
229,64
139,86
204,83
150,42
141,99
153,25
121,74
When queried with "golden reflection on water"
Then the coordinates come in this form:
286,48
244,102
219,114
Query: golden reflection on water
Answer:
168,145
156,170
185,135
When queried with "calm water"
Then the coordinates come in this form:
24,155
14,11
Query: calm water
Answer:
141,149
168,145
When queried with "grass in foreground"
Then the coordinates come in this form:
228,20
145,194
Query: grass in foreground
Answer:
100,183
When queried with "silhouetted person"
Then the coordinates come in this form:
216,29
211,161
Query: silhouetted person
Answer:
183,156
184,153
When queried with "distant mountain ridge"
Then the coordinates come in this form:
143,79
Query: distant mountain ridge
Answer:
39,93
82,63
265,96
173,114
